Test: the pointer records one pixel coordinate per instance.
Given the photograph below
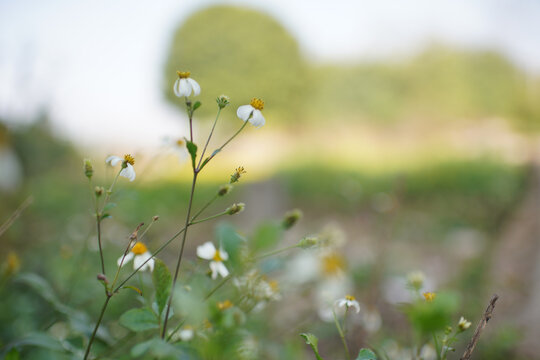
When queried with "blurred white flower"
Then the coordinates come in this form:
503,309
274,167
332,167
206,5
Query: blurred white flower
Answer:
252,112
208,251
177,146
463,324
140,254
348,301
184,85
10,170
186,333
127,165
428,352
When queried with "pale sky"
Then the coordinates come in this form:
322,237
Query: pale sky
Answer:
97,65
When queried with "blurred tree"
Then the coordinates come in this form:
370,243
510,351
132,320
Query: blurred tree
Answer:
241,53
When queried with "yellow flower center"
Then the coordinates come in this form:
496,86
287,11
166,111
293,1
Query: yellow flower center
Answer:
139,248
333,264
224,305
217,256
429,296
183,74
180,142
274,285
257,103
350,298
129,159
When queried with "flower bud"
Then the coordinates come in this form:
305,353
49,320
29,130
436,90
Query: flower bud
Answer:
464,324
99,190
155,218
235,208
88,169
291,218
222,101
225,189
308,242
103,278
237,174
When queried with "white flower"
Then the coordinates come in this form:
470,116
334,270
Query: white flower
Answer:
140,254
463,324
348,301
176,146
186,333
127,165
252,112
184,85
208,251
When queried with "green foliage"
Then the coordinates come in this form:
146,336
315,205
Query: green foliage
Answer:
266,236
157,348
139,320
366,354
312,341
233,243
241,52
162,279
428,317
192,149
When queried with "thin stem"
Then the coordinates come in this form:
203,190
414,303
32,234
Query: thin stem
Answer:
218,286
209,137
181,253
276,252
190,116
204,207
209,218
342,336
222,146
175,330
437,349
98,223
97,326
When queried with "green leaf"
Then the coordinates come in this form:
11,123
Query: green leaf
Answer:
266,236
105,216
139,320
366,354
162,279
232,243
13,354
109,206
156,348
192,149
312,341
136,289
196,105
41,340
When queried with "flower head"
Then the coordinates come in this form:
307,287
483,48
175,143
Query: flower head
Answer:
429,296
252,112
238,172
140,255
415,280
184,85
348,301
208,251
127,165
224,305
463,324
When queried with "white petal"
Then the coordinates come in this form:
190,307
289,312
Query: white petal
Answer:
184,88
127,259
257,119
141,259
222,270
223,254
113,160
356,305
195,86
185,334
214,267
341,302
128,172
244,112
176,88
206,251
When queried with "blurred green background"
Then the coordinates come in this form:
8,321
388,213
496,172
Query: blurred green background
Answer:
428,162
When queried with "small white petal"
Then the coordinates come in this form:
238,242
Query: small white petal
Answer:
141,259
244,112
176,88
128,172
195,86
185,334
206,251
222,270
113,160
341,302
257,119
184,88
214,267
127,259
223,254
356,305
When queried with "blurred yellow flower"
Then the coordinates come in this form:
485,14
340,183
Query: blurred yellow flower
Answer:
429,296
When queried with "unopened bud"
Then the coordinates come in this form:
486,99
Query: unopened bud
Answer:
464,324
222,101
88,169
99,190
308,242
102,277
291,218
237,174
235,208
155,218
224,189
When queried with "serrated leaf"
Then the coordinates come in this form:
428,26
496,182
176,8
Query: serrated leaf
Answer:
312,341
192,149
366,354
196,105
161,276
139,320
109,206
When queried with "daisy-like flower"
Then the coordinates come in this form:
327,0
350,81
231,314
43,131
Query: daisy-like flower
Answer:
252,112
429,296
139,253
348,301
463,324
185,85
208,251
127,165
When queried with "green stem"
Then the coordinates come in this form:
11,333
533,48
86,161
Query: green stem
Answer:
209,137
275,252
222,146
97,326
218,286
195,172
204,207
342,336
437,349
209,218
